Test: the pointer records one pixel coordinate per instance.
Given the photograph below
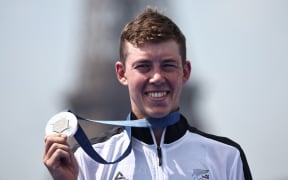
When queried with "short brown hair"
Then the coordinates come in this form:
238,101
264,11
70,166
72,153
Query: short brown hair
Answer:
151,26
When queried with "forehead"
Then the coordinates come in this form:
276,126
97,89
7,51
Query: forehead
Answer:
150,51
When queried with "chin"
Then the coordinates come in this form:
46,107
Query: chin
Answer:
158,114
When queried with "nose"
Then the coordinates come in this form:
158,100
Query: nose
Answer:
157,78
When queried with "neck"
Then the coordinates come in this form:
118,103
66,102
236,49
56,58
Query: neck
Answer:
159,124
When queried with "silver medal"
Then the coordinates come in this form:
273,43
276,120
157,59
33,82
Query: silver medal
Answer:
62,123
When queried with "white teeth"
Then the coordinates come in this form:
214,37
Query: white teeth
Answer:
157,94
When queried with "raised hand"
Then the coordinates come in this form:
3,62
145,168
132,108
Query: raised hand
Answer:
59,158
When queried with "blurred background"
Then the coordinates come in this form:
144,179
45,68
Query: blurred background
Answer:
60,54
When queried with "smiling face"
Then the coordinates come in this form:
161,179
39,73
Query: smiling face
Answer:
155,75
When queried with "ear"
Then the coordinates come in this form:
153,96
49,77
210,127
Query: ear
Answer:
186,71
120,72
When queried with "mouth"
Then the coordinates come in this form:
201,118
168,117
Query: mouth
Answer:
157,94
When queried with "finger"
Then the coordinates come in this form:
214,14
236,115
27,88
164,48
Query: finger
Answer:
54,149
58,158
55,138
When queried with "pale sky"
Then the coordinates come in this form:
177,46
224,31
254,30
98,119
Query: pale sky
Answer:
38,58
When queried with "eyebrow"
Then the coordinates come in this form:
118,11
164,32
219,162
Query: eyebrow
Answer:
141,61
169,60
164,60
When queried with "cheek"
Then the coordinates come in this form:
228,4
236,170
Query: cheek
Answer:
134,84
178,85
137,80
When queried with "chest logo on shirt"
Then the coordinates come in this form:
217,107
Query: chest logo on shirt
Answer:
120,176
200,174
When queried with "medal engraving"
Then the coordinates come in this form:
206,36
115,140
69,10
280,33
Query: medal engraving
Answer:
61,125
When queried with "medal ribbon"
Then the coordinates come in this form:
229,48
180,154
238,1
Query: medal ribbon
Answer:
84,142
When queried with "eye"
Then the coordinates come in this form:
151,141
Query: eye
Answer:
143,67
169,66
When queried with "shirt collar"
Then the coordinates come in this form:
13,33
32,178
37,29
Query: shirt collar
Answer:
173,132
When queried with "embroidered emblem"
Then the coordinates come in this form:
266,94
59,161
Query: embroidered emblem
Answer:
200,174
120,176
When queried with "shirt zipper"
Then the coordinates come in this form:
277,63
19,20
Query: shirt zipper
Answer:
159,153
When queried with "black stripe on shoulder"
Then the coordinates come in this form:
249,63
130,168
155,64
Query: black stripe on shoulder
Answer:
225,140
104,137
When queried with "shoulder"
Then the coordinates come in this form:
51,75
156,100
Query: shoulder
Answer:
215,138
223,143
112,134
204,137
113,142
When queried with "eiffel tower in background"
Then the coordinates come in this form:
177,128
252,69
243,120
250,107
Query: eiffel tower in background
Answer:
99,95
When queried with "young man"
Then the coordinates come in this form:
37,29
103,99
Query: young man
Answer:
153,66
